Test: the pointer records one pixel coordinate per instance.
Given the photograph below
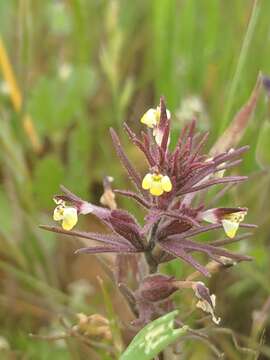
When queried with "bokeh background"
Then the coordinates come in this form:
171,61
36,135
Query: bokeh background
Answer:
69,70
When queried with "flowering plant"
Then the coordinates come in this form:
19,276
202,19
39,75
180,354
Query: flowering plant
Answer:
171,193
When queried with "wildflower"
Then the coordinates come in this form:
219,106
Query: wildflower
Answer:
152,117
67,214
231,223
230,218
206,301
171,223
127,236
156,183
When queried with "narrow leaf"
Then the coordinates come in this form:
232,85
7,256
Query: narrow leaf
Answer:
133,174
234,132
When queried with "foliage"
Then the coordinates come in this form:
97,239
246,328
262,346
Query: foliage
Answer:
153,338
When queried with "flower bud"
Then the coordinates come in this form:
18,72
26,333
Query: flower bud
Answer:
157,287
108,196
95,326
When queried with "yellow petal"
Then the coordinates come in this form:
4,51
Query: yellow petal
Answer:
147,181
166,183
58,213
156,188
150,118
230,227
70,218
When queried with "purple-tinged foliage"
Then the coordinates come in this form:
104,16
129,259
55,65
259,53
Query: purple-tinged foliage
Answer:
167,193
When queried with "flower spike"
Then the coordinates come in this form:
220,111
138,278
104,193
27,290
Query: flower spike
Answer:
174,215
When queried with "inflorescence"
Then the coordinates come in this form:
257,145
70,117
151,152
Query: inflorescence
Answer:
167,192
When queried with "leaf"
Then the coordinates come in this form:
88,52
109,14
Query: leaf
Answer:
262,149
132,172
154,338
235,131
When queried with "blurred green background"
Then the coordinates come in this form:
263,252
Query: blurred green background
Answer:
81,66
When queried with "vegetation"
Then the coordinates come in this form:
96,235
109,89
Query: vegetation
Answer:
69,70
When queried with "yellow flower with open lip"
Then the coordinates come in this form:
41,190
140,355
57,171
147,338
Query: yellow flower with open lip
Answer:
231,222
67,214
152,116
156,183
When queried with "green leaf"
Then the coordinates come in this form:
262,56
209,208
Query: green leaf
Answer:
154,338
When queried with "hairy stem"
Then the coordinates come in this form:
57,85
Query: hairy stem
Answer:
150,259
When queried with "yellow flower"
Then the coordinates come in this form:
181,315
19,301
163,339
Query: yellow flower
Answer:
152,116
67,214
156,184
231,222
